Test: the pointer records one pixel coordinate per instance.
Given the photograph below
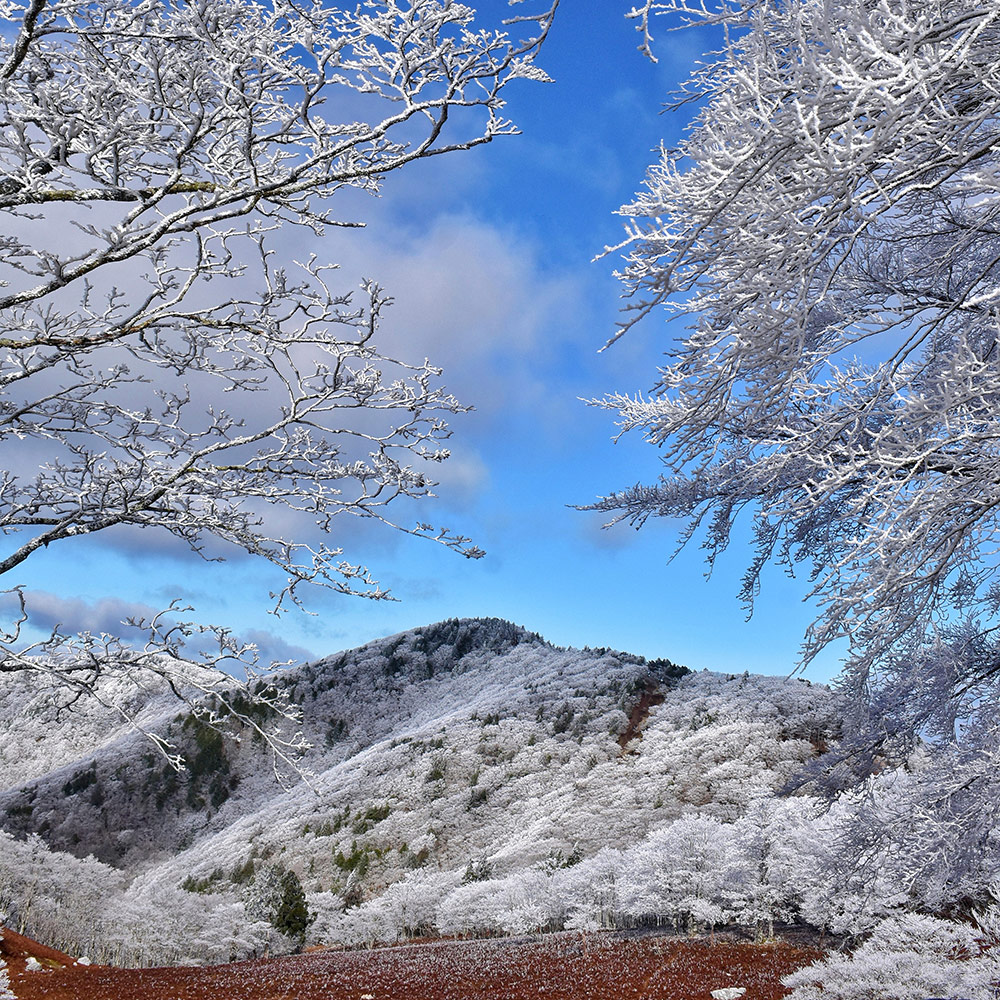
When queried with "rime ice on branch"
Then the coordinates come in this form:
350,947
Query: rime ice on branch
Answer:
830,230
165,362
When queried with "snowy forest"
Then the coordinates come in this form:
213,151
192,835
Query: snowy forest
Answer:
821,247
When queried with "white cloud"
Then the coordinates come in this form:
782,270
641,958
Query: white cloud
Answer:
462,477
48,611
468,295
107,615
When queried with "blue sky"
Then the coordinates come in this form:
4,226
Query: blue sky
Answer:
489,257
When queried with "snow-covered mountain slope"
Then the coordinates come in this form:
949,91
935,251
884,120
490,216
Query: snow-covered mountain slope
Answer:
429,746
470,778
44,728
513,777
469,742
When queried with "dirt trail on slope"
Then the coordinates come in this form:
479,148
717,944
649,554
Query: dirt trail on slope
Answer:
561,967
650,695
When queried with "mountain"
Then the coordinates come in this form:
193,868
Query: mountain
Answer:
465,746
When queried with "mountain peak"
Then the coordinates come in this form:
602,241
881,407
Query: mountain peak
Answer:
464,635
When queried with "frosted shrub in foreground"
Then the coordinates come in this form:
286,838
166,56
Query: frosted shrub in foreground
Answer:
6,993
908,957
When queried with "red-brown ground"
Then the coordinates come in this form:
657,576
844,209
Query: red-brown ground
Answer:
562,967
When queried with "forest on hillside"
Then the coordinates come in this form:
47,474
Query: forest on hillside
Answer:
486,783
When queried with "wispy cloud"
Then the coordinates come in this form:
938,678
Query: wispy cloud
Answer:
48,612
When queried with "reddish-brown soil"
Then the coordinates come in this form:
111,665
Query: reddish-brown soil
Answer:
561,967
651,695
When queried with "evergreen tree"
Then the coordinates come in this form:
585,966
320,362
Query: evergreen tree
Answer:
292,916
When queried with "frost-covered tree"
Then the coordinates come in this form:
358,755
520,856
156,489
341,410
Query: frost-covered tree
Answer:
411,904
828,229
53,896
769,849
687,872
589,891
168,362
527,903
470,908
6,993
263,893
156,923
909,958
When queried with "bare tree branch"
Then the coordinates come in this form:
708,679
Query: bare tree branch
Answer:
171,367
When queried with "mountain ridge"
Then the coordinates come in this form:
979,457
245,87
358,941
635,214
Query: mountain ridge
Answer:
469,744
72,798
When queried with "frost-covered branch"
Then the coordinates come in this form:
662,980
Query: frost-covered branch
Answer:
830,230
195,663
166,363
